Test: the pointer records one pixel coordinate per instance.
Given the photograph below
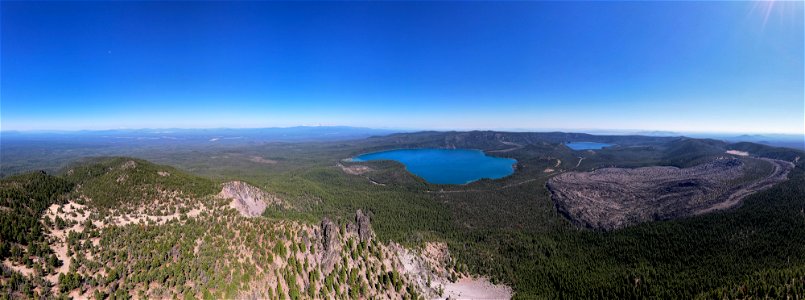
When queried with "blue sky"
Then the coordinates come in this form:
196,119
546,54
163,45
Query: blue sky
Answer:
680,66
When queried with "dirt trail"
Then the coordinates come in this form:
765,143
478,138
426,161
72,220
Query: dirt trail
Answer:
779,174
552,169
477,190
455,191
579,163
519,183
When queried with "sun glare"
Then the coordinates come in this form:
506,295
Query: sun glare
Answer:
783,11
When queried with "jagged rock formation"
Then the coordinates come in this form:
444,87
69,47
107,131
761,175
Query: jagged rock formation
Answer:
331,244
431,271
364,226
249,200
612,198
331,238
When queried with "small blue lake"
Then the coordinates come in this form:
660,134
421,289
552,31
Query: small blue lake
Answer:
447,166
587,145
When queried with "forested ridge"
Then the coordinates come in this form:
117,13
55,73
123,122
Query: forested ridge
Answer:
23,199
176,241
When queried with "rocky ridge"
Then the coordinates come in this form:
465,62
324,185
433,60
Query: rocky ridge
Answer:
249,200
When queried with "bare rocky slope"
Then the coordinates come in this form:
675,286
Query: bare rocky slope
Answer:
249,200
611,198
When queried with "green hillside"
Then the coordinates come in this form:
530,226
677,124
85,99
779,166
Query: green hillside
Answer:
115,180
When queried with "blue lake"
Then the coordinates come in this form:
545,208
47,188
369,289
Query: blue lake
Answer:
587,145
447,166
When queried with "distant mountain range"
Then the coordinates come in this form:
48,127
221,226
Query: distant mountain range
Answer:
214,135
796,141
236,136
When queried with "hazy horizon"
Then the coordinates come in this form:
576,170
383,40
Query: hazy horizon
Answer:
712,67
598,131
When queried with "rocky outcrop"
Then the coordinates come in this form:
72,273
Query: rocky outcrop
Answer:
364,226
331,238
431,272
128,165
331,244
249,200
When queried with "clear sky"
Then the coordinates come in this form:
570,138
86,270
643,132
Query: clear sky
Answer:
679,66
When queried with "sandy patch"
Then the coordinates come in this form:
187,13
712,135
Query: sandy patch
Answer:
738,153
159,220
19,268
71,211
74,212
261,160
475,288
354,169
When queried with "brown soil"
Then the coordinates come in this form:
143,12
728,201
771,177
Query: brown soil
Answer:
738,153
261,160
354,169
